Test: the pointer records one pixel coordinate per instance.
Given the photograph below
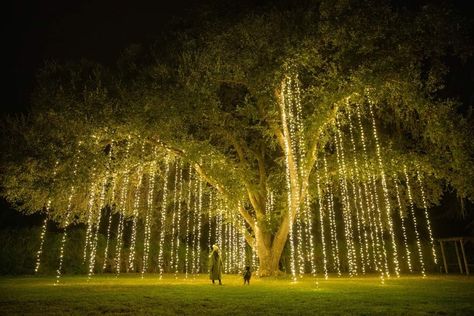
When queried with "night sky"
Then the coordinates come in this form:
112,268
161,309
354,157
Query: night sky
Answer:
37,31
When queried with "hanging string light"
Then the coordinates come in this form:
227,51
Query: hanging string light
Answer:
345,203
163,218
120,227
66,220
404,231
109,224
385,192
321,220
188,216
45,222
209,220
415,225
199,216
243,246
195,221
286,137
358,200
174,216
136,206
332,220
149,212
371,196
427,219
90,215
122,206
95,236
180,199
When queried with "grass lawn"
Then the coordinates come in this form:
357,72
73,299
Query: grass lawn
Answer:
129,294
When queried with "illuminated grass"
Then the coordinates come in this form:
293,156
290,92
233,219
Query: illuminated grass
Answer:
131,295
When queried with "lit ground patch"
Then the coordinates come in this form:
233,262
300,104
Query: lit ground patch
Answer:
129,294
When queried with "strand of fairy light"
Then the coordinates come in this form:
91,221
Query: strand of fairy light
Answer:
415,225
136,206
372,201
219,223
233,242
173,217
300,151
345,203
109,224
66,220
332,221
149,209
402,220
368,198
194,230
297,141
243,253
95,236
225,238
358,196
302,154
122,205
209,219
180,199
427,218
321,221
351,173
379,218
385,192
90,206
163,217
199,216
188,215
288,181
347,198
45,223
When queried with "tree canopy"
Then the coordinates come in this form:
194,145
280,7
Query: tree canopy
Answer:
213,97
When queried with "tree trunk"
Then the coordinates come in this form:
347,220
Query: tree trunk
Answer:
269,250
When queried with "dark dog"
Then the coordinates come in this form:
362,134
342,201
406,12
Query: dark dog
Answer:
247,275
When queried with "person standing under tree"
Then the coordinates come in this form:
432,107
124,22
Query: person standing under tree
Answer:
215,265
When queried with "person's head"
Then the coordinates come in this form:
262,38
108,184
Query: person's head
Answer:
247,268
215,248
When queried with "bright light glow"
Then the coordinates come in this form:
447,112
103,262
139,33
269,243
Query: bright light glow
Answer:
291,203
149,212
136,206
332,220
427,218
385,192
321,220
180,199
415,225
164,202
404,231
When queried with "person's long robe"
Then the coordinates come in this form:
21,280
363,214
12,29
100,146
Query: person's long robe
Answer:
215,266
